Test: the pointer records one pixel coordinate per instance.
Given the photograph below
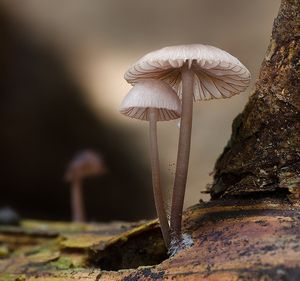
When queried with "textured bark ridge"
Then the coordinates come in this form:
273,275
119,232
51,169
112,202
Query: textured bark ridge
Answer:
263,154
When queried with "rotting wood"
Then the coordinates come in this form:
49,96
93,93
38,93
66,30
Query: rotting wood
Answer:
233,240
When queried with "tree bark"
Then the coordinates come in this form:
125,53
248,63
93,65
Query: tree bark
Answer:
263,154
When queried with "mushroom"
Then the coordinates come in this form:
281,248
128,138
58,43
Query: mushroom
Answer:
196,72
153,100
85,164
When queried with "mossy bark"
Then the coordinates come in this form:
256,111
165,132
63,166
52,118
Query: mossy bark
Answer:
263,154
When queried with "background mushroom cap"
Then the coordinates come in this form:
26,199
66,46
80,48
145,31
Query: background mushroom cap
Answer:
217,74
151,93
84,164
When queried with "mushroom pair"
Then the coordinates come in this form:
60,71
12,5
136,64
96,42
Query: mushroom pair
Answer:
196,72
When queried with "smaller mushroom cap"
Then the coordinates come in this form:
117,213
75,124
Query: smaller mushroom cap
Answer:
151,93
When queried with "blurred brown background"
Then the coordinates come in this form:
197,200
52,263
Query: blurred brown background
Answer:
61,82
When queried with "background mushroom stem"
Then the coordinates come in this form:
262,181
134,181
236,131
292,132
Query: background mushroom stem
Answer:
158,195
77,202
183,151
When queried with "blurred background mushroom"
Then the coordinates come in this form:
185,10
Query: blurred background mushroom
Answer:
85,164
61,83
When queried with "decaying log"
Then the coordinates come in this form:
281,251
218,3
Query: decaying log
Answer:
236,240
233,240
249,231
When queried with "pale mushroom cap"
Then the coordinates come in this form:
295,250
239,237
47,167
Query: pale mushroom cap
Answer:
217,74
151,93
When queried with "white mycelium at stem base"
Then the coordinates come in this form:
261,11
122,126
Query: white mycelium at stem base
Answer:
203,71
154,100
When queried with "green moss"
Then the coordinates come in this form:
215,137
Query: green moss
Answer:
63,263
4,251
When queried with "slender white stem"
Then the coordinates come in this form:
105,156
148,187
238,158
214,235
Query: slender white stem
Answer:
158,194
183,152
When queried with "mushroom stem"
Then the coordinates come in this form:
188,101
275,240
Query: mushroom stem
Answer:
157,191
183,152
77,202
